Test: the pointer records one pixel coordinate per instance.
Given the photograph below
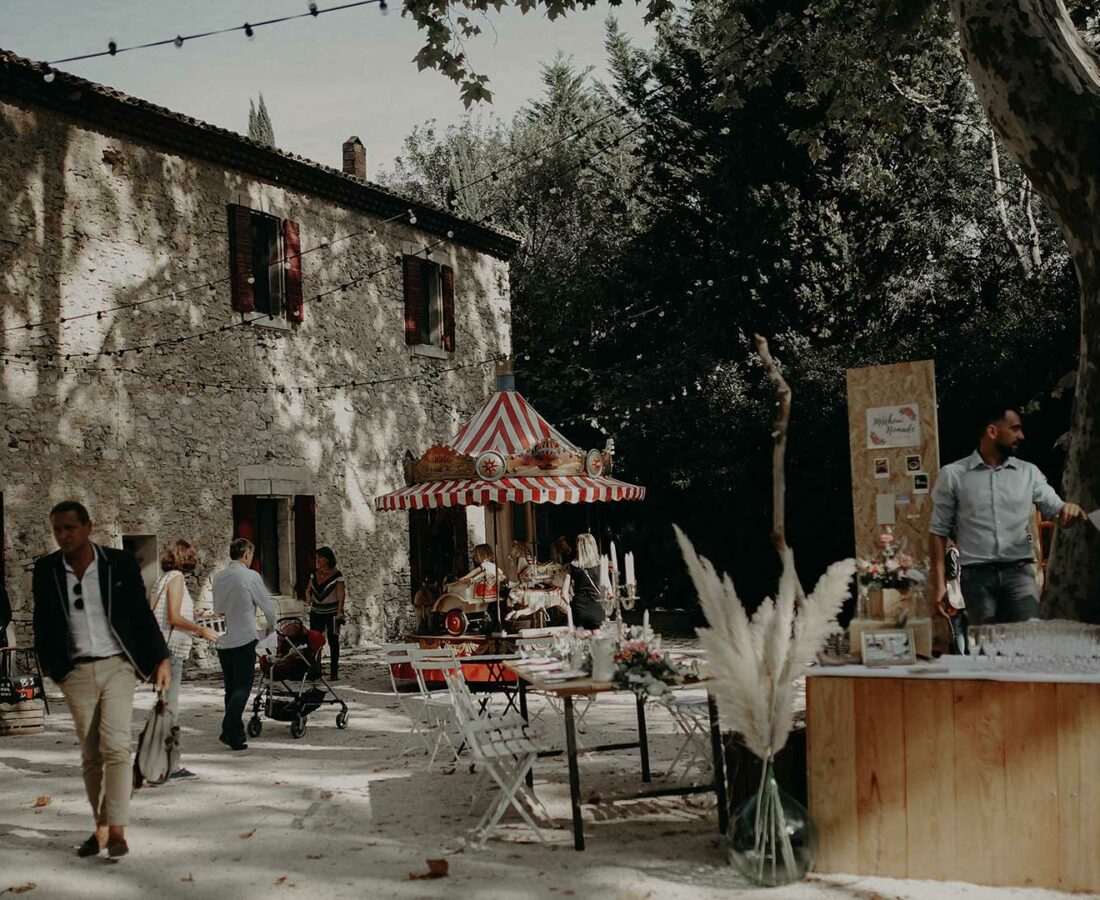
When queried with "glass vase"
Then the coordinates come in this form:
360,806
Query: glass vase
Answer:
772,840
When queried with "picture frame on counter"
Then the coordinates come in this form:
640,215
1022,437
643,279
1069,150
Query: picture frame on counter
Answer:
896,647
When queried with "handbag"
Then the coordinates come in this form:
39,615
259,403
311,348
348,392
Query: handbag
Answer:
158,749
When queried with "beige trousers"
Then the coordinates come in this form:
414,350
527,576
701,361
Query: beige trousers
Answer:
101,700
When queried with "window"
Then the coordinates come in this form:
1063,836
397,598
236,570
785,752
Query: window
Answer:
429,304
265,264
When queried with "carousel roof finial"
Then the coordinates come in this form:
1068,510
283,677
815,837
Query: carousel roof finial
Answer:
506,379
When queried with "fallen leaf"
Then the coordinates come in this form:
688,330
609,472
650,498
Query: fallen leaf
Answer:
281,879
188,877
315,856
20,888
42,801
246,834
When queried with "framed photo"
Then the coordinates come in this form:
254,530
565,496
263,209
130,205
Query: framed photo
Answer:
920,482
912,463
889,648
882,467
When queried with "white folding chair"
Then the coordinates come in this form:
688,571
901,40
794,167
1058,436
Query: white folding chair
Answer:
411,703
539,642
506,747
439,706
691,714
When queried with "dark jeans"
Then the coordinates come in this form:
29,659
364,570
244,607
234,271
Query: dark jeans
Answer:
238,670
326,622
1000,592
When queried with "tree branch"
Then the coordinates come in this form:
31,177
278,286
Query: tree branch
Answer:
1002,207
779,450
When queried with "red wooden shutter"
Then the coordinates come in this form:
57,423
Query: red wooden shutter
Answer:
305,542
414,300
240,257
245,517
447,282
292,249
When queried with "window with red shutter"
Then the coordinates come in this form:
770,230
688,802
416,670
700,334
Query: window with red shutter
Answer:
246,521
429,304
240,257
447,285
292,249
414,301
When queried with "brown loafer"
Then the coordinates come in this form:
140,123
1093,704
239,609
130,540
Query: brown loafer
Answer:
89,848
117,847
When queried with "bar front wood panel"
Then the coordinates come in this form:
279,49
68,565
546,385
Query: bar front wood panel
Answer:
988,782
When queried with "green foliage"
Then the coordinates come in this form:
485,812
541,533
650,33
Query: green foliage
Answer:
783,169
259,123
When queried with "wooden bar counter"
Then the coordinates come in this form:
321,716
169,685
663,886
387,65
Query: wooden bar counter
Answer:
947,771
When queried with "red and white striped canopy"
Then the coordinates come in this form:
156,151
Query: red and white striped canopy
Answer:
508,424
543,489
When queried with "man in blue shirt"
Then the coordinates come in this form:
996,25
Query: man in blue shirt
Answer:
985,502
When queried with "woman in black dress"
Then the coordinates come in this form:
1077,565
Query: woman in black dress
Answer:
584,575
325,598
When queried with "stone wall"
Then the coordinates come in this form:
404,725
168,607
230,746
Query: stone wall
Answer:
89,220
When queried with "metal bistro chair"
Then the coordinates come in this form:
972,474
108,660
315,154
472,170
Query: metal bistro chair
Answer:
506,748
691,714
411,703
439,707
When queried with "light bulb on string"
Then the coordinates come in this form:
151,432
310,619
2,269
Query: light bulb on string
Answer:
313,9
49,76
248,32
112,46
178,41
383,7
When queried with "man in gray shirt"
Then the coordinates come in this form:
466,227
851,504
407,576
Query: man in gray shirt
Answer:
985,503
238,593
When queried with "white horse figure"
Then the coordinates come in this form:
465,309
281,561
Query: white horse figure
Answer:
540,586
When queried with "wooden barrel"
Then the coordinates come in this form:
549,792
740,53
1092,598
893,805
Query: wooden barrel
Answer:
21,718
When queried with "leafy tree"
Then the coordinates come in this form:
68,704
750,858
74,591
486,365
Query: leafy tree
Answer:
765,169
259,123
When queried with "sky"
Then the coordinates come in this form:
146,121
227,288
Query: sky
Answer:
323,79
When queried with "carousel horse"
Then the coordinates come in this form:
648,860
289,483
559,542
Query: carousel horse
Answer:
541,586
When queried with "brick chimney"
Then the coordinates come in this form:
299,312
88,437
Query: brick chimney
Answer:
355,158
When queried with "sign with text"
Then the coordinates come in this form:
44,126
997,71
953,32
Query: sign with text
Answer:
893,426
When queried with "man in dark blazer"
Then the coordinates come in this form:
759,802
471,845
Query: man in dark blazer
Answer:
96,636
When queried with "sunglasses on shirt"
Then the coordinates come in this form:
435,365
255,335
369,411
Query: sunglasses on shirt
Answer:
78,591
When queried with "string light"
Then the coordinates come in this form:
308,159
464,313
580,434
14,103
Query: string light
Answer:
248,28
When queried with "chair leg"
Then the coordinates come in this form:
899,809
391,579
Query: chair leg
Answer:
509,788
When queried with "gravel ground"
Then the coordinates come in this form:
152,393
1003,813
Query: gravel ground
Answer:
341,814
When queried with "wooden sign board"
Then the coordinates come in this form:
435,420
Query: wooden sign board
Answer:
894,438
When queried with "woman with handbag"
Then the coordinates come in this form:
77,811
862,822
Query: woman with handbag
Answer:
584,572
175,612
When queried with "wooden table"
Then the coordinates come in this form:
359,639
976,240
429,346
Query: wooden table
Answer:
950,772
529,674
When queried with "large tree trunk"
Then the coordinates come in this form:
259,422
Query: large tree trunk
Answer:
1040,85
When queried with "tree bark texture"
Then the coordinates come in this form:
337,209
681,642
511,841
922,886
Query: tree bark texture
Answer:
1040,86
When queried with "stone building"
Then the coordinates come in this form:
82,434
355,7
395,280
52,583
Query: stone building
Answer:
252,429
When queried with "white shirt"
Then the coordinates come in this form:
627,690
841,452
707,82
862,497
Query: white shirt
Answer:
89,627
238,593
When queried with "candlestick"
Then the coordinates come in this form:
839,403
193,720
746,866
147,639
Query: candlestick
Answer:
614,560
630,569
604,578
569,616
645,620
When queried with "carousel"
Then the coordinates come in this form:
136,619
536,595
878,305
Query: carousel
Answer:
512,464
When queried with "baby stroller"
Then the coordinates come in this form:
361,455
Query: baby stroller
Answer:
289,679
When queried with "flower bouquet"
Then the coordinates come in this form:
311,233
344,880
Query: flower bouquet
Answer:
640,667
891,567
